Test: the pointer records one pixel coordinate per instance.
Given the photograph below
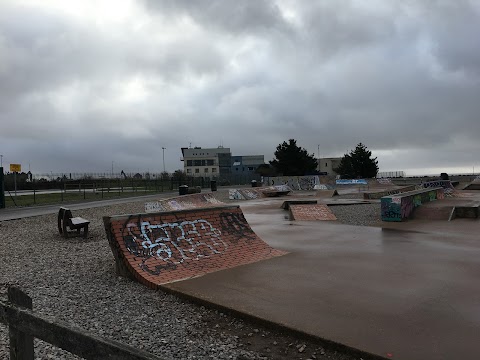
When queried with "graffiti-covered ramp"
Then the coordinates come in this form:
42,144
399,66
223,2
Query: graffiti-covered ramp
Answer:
158,248
183,202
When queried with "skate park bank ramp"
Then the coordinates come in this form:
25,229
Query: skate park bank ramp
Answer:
183,203
164,247
310,212
259,192
474,185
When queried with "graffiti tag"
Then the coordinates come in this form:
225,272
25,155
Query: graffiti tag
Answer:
173,243
236,224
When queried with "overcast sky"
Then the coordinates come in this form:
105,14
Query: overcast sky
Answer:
87,83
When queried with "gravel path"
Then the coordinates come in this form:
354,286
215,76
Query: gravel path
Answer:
358,214
74,281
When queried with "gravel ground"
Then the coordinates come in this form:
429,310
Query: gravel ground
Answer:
74,281
358,214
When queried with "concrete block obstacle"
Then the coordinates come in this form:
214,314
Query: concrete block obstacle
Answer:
380,194
159,248
286,204
401,206
311,212
326,193
474,185
466,211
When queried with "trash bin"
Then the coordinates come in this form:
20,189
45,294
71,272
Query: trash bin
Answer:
213,185
183,190
254,183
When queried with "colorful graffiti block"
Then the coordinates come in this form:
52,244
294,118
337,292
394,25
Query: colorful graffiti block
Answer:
401,206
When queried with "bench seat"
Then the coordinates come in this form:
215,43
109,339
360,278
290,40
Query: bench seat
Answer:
77,221
67,223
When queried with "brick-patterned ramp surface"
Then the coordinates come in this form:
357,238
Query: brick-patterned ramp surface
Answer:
311,212
165,247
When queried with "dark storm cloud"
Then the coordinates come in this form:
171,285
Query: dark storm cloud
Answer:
231,16
120,83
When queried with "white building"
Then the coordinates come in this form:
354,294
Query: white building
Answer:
327,165
208,162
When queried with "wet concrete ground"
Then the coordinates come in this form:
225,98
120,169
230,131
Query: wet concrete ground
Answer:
406,291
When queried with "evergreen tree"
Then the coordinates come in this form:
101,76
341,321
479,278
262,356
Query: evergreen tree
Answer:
291,160
266,170
358,164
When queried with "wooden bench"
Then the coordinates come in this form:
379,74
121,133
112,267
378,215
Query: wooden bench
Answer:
67,223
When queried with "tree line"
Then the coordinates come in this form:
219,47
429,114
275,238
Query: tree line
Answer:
292,160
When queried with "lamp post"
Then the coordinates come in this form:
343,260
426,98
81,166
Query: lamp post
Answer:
163,155
318,152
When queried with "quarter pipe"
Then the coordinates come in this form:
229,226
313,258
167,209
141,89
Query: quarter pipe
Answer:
164,247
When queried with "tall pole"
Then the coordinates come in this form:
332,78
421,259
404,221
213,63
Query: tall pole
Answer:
318,157
163,154
1,160
112,168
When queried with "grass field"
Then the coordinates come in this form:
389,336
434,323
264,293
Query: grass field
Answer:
73,196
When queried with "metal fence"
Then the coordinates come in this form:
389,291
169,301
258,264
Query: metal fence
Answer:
21,189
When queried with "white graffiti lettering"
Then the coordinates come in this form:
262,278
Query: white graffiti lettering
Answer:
175,242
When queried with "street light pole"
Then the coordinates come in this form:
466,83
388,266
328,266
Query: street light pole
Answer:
318,157
163,155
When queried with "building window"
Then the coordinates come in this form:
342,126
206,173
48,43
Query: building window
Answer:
326,164
209,162
214,170
189,163
251,168
197,162
189,171
205,170
197,171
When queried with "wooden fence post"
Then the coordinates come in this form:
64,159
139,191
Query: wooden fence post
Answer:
21,344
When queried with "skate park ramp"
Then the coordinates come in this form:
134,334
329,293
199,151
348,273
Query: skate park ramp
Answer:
164,247
326,193
259,192
474,185
406,292
448,209
310,212
286,204
183,202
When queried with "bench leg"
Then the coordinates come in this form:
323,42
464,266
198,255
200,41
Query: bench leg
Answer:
85,231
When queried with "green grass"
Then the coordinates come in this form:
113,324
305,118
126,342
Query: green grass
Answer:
71,197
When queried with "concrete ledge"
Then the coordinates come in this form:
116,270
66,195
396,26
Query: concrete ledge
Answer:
468,212
401,206
380,194
286,204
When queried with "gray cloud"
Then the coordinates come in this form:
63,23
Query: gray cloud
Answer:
89,87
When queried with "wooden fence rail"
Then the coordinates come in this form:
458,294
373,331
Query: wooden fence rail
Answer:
24,326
